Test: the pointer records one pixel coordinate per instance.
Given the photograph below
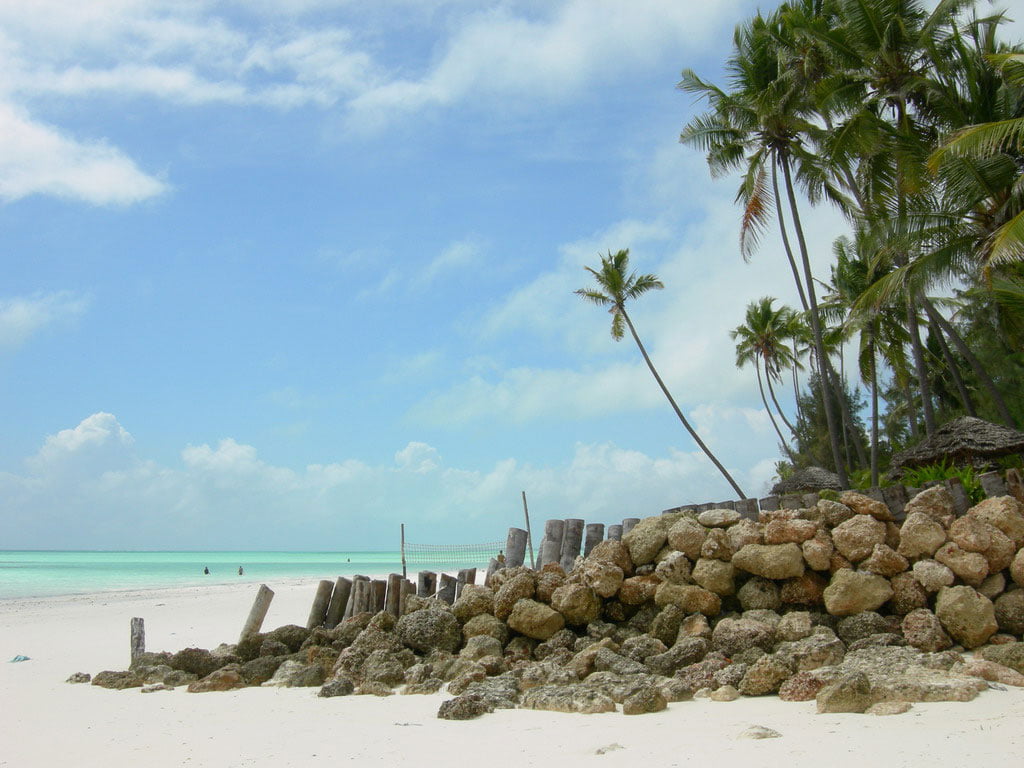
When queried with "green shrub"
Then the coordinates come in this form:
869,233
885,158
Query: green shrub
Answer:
829,494
944,470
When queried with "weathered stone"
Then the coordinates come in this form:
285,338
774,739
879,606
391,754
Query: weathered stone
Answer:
795,625
295,674
759,592
480,646
689,650
485,624
933,575
689,598
971,567
1003,512
991,671
118,681
833,513
865,505
603,577
520,586
731,636
646,540
701,674
197,661
567,698
675,568
724,693
885,561
291,635
924,631
771,561
907,594
548,581
969,617
993,586
473,601
765,676
856,538
717,546
806,590
579,604
644,702
864,624
535,619
499,692
851,592
260,669
886,708
1009,654
759,732
789,531
429,630
226,679
1017,569
936,503
715,576
743,533
850,693
920,536
719,518
1009,608
812,652
340,686
465,707
803,686
687,536
614,552
695,625
79,677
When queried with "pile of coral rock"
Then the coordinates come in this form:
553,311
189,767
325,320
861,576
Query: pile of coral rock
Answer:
835,603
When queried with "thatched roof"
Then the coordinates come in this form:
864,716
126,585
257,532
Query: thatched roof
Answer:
806,480
961,441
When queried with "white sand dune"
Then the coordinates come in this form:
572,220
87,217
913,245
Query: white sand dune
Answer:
47,722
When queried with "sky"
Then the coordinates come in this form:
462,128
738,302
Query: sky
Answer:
284,274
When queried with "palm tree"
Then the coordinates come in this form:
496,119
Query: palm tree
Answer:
615,286
766,120
760,340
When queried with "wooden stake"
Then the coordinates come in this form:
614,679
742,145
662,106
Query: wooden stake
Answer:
393,601
339,601
404,574
318,611
529,533
138,638
258,612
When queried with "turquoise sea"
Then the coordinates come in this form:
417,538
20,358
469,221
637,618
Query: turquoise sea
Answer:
49,573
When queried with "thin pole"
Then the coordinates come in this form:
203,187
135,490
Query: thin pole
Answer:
404,574
529,535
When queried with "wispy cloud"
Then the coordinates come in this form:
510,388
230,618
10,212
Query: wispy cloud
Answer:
22,317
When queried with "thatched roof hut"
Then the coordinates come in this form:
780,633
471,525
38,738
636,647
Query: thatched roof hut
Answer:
806,480
966,440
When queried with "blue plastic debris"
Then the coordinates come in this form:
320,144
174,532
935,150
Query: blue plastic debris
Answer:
19,657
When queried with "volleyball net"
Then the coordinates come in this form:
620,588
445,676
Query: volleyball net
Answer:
450,556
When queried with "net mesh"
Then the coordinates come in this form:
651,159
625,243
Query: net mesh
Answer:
451,555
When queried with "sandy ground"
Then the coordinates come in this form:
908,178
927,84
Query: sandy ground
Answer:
47,722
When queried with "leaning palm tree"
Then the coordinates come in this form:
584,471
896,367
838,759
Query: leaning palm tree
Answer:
615,285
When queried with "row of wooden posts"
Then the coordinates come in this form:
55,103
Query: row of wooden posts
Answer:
563,541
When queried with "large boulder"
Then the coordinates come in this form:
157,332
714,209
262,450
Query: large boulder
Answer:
865,505
969,617
771,561
567,698
787,531
885,561
1009,655
970,567
646,540
920,536
936,503
732,636
602,576
850,693
687,536
715,576
296,674
522,585
1010,612
924,631
851,592
535,620
933,575
1003,512
689,598
856,538
614,552
579,604
225,679
759,592
473,601
430,629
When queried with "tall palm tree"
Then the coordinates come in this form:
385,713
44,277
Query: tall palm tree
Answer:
766,121
615,286
760,341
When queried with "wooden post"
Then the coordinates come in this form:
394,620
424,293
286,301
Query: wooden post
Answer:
426,584
322,599
138,638
378,592
460,580
407,588
747,508
515,547
339,602
572,540
595,533
403,551
961,502
992,484
629,524
1015,484
492,568
446,590
614,532
258,612
529,533
768,503
357,603
895,497
392,602
792,501
551,545
809,500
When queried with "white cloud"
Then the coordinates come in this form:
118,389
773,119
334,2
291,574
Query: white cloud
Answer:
38,159
22,317
88,488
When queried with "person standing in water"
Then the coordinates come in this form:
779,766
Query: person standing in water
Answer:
240,571
206,571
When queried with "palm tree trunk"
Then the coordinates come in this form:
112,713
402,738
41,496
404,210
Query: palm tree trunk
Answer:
672,402
844,409
979,370
920,368
819,343
908,397
785,236
778,407
764,400
874,412
954,371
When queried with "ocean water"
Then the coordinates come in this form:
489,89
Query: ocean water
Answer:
50,573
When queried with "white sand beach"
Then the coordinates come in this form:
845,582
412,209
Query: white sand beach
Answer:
48,722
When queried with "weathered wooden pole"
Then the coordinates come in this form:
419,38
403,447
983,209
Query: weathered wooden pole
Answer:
322,599
515,547
551,544
403,551
258,612
1015,484
572,540
529,533
747,508
379,591
629,524
138,638
465,576
614,532
393,600
426,584
357,603
992,484
492,568
407,588
768,503
339,602
446,589
595,534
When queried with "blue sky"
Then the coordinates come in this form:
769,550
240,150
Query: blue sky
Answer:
285,274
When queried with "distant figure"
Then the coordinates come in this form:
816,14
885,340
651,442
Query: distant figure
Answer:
240,571
348,560
501,557
206,571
